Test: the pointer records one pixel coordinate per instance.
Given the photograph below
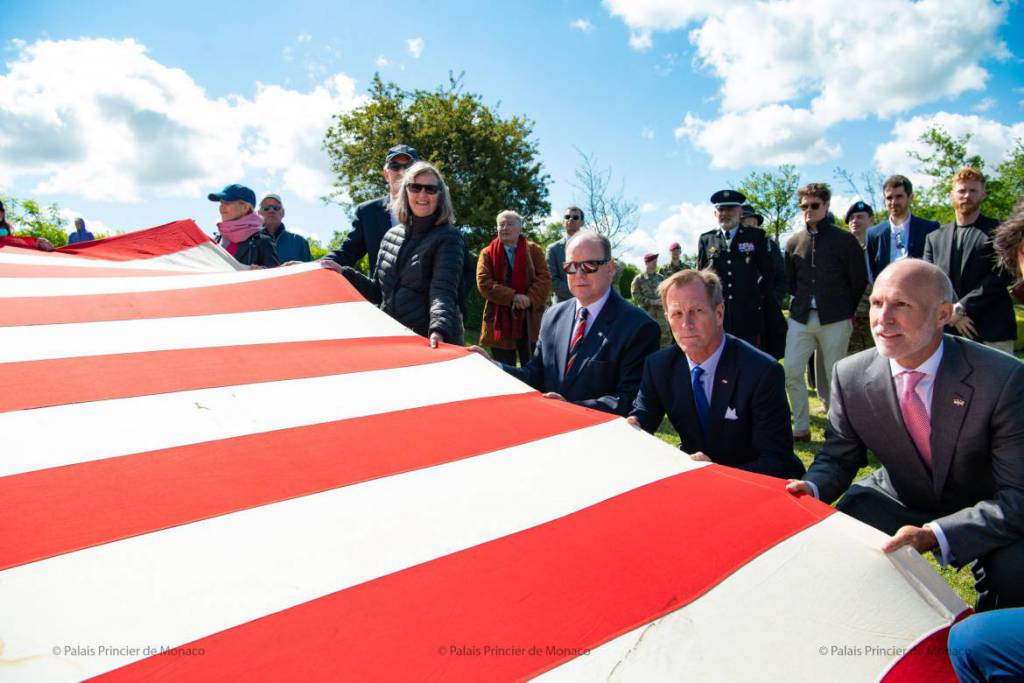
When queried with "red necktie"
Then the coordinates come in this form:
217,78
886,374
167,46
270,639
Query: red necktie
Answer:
915,416
577,337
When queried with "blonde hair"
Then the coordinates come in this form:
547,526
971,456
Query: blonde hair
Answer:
707,277
403,210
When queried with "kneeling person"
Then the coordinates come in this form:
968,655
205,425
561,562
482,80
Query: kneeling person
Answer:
726,399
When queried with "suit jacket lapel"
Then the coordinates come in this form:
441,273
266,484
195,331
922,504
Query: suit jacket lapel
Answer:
951,399
563,334
595,336
945,258
884,247
686,406
723,387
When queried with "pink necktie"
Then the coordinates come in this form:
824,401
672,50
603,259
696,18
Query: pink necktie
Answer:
915,416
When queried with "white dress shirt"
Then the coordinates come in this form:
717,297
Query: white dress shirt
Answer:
709,365
593,310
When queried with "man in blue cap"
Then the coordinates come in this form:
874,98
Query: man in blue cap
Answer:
740,257
374,218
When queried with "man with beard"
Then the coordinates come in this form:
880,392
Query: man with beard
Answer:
963,250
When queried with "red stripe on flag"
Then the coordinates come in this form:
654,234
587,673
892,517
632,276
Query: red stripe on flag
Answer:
41,383
59,510
34,271
928,660
542,595
311,288
142,244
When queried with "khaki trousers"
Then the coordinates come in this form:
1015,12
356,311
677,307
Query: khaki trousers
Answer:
831,341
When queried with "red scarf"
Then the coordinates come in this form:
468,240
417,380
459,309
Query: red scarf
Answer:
509,324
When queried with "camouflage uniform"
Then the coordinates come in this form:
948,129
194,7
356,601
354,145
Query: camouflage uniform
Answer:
861,338
644,290
669,269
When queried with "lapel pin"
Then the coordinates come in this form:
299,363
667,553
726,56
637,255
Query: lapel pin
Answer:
725,381
959,402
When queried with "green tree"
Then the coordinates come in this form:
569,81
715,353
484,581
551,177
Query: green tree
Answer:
490,163
29,218
316,250
773,195
548,234
944,156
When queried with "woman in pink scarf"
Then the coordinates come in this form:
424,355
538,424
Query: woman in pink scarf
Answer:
240,228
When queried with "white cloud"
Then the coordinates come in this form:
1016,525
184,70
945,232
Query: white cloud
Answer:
640,40
415,47
582,25
685,225
303,38
647,133
810,61
93,225
990,139
776,134
984,105
648,207
100,119
382,61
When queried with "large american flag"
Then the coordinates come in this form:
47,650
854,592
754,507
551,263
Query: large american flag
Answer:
213,474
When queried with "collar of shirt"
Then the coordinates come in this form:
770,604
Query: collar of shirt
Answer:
926,386
895,227
710,365
510,252
593,310
729,234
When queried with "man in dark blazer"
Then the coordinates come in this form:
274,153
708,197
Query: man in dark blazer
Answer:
592,348
943,415
902,234
964,251
739,255
374,218
726,399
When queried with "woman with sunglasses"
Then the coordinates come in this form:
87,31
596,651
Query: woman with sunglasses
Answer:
7,235
420,263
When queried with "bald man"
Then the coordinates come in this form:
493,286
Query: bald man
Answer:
945,417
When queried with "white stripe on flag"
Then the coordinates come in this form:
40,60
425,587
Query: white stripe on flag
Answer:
28,287
201,257
144,423
174,586
352,320
823,630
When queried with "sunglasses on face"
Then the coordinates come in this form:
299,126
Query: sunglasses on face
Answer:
416,188
570,217
396,166
271,207
588,267
813,206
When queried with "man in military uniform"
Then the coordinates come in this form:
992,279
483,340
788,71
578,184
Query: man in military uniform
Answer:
676,264
740,257
644,290
859,217
773,330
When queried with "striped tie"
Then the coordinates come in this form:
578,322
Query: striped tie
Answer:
577,337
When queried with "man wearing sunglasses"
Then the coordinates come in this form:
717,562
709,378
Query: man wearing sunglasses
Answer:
289,246
592,347
572,221
374,218
826,274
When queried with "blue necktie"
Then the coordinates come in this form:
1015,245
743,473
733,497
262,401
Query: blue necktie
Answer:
700,399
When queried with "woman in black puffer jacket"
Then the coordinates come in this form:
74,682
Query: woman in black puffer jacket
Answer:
420,264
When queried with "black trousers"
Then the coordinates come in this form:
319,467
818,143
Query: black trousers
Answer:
524,349
997,575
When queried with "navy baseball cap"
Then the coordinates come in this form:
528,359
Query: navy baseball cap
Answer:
399,150
233,193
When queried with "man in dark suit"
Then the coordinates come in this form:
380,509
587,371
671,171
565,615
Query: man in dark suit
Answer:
592,348
374,218
964,251
943,415
902,234
740,256
773,326
726,399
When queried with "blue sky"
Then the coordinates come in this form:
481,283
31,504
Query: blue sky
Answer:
129,114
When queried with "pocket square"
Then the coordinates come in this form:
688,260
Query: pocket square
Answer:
730,414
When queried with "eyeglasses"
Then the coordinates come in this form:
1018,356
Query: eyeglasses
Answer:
416,188
396,166
813,206
271,207
570,217
588,267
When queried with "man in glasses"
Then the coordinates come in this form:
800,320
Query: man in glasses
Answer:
826,274
592,347
739,256
289,246
374,218
572,221
902,235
